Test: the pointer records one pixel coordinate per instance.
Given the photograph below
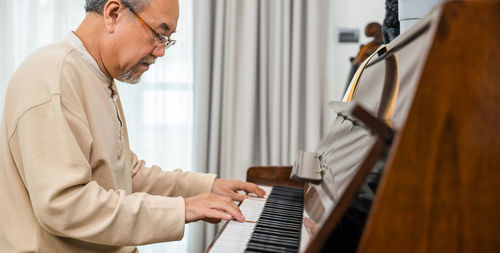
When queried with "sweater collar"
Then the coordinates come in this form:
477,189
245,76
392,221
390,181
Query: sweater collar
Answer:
86,57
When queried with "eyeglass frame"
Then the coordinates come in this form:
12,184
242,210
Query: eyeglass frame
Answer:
165,41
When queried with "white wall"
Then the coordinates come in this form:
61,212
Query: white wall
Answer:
410,11
350,14
346,14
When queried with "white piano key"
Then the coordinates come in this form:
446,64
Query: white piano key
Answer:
236,235
252,208
234,238
267,189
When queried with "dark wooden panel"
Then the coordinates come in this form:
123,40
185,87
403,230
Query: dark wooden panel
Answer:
439,192
272,175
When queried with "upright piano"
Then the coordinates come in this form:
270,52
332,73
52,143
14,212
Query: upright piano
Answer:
412,161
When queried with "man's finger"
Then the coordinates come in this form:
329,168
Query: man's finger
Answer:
239,214
238,197
216,214
227,205
212,220
253,188
260,192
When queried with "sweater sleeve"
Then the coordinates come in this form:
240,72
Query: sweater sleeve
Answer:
65,200
169,183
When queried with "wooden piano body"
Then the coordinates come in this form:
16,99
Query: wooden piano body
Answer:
438,191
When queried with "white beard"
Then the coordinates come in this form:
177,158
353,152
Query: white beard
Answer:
127,76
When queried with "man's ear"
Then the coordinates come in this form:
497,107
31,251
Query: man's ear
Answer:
110,13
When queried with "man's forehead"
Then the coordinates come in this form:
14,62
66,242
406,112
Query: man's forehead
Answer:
164,13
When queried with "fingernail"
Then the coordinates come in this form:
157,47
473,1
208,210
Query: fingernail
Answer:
228,217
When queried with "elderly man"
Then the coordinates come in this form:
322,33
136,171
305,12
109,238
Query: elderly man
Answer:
68,179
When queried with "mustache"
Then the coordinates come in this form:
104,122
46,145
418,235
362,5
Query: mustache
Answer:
148,60
128,75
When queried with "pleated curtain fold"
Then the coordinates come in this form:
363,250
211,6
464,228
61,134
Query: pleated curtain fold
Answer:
260,72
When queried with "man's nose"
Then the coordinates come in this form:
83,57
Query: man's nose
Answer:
159,51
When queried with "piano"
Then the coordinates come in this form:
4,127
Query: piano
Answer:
421,147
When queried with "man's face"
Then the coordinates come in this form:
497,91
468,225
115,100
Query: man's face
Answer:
135,46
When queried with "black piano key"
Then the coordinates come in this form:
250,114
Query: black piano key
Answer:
279,188
284,206
273,232
287,236
285,203
274,226
278,229
280,209
295,239
284,210
291,214
277,232
269,248
281,213
282,219
276,221
287,227
280,197
292,239
275,242
285,195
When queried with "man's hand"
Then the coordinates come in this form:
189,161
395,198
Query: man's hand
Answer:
229,187
211,208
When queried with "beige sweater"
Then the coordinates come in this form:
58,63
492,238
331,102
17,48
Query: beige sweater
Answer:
68,179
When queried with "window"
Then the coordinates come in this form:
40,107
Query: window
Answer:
159,110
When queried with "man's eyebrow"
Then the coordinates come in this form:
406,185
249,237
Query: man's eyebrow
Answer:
166,27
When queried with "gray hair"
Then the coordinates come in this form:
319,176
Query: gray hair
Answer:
98,5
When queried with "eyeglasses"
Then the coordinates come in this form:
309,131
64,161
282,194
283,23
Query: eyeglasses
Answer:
165,41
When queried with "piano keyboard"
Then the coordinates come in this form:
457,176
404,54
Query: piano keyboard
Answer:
272,224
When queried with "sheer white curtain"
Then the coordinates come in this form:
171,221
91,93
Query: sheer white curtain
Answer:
29,24
158,110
